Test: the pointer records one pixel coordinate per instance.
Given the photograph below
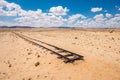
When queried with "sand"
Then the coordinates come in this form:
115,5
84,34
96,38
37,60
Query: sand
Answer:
20,60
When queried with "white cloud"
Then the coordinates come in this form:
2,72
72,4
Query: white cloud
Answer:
105,10
57,16
76,17
99,17
2,3
9,9
108,15
40,19
1,22
96,9
59,10
114,22
117,7
118,15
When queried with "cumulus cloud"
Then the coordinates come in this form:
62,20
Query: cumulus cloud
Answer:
55,17
59,10
117,7
118,15
1,22
75,18
9,9
96,9
99,17
108,15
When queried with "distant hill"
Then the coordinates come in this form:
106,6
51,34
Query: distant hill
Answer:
31,27
3,26
15,27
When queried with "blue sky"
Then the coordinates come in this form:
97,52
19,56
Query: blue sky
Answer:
75,6
70,13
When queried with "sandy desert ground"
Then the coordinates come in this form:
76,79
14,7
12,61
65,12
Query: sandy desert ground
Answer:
20,60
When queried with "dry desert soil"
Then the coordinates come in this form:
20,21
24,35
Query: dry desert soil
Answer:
23,60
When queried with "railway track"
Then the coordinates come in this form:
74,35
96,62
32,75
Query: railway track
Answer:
66,55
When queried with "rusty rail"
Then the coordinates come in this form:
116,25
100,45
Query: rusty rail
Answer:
67,55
